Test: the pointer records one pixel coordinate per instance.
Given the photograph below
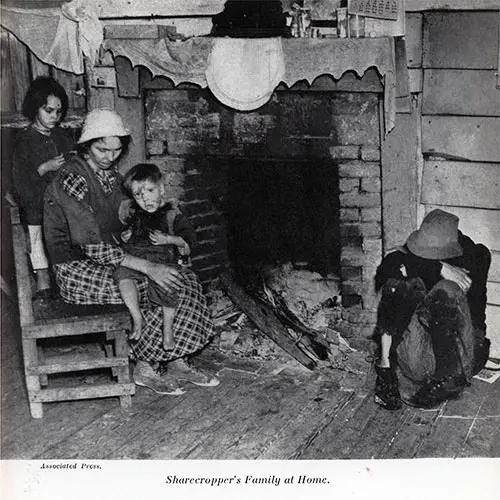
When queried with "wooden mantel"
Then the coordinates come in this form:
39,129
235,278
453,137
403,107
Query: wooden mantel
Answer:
172,8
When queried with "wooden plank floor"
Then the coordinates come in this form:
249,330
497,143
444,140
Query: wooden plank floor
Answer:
293,414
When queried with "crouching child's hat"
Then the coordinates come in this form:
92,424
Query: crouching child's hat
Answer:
437,237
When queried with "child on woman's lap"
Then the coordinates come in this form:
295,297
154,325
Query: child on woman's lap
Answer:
159,232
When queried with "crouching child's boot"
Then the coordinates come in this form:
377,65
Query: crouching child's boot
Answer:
386,389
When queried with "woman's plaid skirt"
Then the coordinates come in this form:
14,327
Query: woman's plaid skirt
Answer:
85,282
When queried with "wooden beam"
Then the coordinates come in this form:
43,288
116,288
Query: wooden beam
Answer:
399,179
127,8
419,5
158,8
265,320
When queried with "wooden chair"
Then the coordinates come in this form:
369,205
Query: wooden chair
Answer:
102,325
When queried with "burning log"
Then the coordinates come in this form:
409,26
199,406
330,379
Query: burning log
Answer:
309,337
263,316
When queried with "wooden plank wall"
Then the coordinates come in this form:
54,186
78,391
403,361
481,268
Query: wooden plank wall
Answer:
453,61
19,68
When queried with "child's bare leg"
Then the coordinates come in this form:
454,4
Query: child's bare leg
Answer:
42,279
385,350
130,296
168,334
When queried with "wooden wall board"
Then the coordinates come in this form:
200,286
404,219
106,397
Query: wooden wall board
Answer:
73,84
127,78
157,8
126,8
494,274
460,92
413,38
493,329
399,180
132,112
470,138
493,293
481,225
416,79
101,98
419,5
143,31
38,68
462,184
7,91
460,40
20,70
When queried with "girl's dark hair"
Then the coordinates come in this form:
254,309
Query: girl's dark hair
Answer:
138,173
84,147
36,97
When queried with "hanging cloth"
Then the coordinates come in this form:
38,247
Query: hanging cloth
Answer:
243,73
58,37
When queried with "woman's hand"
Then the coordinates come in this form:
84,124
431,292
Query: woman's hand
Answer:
457,275
158,238
166,276
51,165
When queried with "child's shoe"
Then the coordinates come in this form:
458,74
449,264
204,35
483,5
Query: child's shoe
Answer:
386,389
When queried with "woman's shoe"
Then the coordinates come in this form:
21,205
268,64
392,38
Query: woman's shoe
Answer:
145,376
184,370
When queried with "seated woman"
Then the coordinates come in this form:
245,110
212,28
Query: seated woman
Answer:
83,209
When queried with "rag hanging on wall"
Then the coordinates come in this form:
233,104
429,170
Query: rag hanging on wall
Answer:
59,37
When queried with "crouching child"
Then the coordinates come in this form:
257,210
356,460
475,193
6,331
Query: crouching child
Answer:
431,315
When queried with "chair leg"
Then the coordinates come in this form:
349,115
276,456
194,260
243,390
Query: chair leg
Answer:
44,379
30,357
125,401
109,350
122,351
36,410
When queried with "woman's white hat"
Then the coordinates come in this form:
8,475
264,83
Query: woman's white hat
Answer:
102,122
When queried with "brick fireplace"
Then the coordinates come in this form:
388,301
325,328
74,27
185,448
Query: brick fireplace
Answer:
322,138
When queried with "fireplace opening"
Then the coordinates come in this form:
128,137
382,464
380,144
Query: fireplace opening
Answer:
283,211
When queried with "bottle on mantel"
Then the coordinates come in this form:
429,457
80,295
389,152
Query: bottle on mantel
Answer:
342,20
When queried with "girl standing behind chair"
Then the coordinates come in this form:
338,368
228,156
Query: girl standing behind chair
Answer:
38,154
